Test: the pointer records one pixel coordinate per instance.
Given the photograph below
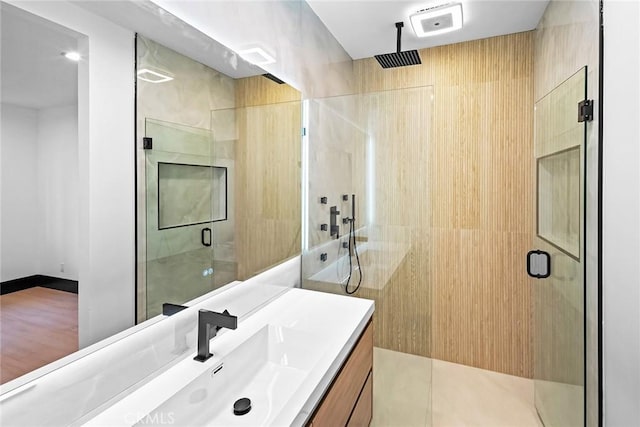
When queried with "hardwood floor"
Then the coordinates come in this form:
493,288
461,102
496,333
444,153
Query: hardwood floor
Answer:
37,326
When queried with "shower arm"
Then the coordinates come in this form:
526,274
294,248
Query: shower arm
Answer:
399,26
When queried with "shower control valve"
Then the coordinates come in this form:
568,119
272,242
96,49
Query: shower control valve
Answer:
323,200
323,227
323,256
335,228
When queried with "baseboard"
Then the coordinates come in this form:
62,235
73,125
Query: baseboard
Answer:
50,282
19,284
61,284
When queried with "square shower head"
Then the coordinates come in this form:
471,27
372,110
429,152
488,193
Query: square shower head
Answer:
399,59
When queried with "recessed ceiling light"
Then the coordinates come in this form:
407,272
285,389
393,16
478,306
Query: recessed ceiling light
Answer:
437,20
73,56
152,76
257,56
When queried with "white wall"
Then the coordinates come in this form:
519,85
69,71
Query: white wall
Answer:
19,187
621,216
40,192
57,176
106,169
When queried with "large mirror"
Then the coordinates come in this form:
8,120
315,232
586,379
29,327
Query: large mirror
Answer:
207,193
219,168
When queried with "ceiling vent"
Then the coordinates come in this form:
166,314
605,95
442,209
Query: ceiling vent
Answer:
437,20
152,76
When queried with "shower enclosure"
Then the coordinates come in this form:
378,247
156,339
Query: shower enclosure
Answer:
559,300
377,148
187,213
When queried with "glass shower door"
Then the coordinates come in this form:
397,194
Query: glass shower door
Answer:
185,195
559,300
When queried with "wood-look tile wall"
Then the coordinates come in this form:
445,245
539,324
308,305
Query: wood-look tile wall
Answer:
259,90
267,193
469,250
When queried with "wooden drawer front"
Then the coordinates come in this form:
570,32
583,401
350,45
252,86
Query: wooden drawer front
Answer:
361,416
339,401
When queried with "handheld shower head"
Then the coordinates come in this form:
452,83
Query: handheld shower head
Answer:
399,58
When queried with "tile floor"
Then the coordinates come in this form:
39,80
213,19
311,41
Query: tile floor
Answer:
459,395
401,389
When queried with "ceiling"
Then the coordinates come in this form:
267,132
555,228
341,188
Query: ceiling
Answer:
367,28
151,20
34,73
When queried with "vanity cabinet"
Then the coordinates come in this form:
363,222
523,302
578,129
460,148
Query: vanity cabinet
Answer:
349,400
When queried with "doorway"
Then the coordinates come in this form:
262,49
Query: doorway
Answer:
39,191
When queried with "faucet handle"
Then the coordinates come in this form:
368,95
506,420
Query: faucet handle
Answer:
169,309
226,313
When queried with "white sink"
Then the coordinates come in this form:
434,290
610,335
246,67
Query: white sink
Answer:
283,357
267,368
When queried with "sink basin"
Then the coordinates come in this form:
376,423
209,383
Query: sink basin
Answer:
283,358
267,368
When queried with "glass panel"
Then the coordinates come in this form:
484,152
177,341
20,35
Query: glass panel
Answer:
559,300
180,193
376,147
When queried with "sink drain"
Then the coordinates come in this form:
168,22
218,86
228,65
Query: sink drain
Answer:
242,406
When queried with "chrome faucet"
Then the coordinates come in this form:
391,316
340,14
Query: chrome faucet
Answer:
209,323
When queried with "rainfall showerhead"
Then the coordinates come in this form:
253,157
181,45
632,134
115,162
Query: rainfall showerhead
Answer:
399,58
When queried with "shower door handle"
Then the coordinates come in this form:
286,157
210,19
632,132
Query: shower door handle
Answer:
538,264
205,236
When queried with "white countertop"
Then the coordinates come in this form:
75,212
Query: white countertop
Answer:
334,321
